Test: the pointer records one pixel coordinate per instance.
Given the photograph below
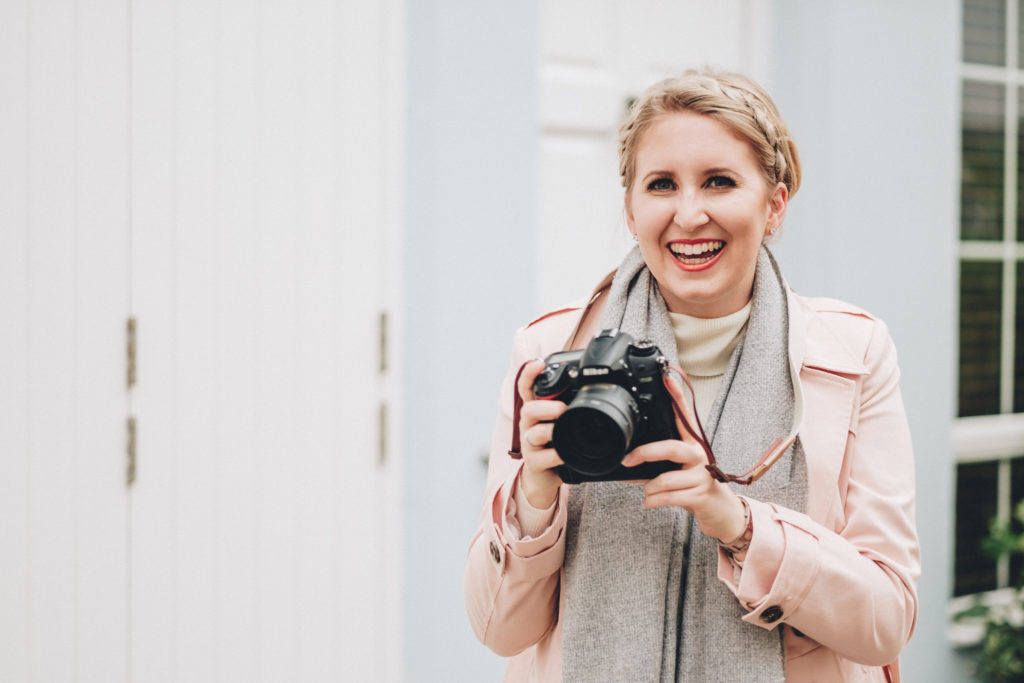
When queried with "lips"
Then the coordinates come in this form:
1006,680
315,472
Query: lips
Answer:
692,255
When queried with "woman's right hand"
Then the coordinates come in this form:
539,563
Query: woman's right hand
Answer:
538,480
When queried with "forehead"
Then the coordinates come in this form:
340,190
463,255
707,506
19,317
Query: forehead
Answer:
691,137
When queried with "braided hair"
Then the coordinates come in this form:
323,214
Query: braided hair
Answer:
732,99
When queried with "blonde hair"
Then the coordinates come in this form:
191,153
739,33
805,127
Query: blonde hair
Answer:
732,99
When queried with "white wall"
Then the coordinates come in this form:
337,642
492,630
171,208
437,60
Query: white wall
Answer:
870,90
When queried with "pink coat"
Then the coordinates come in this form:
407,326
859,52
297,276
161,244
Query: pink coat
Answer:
840,579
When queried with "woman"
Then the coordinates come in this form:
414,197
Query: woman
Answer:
806,574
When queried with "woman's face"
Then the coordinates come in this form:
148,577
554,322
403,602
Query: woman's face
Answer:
700,208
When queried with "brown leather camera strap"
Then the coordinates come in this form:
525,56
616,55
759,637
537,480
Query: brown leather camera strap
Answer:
769,458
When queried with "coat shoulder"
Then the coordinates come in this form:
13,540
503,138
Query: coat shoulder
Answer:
839,334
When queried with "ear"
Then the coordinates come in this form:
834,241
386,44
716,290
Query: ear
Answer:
777,202
628,206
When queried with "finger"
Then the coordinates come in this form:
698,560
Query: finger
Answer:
690,479
527,377
541,411
541,459
539,435
675,389
682,452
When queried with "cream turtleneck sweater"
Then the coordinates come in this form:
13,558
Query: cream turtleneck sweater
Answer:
704,346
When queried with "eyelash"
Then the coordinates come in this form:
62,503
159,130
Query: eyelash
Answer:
714,182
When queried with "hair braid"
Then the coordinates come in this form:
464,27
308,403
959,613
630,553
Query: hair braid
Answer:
734,100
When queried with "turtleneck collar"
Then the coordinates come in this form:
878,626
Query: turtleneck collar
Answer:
705,345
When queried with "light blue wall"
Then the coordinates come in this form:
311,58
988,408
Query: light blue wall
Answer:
871,91
469,224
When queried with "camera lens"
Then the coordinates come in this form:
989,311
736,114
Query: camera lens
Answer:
593,433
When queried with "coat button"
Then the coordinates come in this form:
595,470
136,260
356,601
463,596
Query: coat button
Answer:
772,614
495,554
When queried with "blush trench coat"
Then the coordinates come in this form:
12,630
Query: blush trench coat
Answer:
839,579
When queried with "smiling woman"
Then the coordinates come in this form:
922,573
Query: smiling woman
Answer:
700,210
694,574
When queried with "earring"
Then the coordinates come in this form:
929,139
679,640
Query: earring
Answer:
635,238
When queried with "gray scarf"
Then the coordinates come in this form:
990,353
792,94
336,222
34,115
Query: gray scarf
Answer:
642,597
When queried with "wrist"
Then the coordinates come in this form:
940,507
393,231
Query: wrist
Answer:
539,488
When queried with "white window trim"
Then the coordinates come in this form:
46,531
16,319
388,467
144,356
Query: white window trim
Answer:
998,438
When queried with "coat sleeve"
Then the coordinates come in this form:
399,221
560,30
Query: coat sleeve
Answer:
852,590
511,584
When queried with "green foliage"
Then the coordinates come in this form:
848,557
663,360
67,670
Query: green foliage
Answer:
1001,651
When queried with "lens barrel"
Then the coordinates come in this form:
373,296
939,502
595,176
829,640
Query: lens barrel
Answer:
595,431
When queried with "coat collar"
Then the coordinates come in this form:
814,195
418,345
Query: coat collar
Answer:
815,344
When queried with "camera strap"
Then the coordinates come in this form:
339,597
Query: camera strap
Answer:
770,457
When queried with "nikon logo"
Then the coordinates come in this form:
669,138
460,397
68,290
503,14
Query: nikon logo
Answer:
591,372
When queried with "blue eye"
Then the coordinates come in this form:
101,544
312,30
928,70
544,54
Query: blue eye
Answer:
721,181
661,185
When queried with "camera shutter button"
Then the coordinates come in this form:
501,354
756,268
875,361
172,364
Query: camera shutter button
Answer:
644,348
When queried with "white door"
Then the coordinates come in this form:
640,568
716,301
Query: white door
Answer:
222,175
63,306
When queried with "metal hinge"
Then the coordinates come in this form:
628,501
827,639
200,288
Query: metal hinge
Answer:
382,433
131,449
382,339
130,373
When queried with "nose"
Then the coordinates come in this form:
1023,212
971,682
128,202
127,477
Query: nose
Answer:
690,211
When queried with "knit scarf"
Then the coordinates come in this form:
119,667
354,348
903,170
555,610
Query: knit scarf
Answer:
642,600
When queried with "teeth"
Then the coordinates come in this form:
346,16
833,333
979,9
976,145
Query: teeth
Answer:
699,249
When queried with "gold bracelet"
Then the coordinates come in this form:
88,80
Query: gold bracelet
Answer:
741,542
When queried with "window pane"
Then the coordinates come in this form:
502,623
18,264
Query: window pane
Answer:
981,190
985,32
1020,162
976,488
980,307
1016,495
1018,342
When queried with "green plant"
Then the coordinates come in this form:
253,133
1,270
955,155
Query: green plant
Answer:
1000,653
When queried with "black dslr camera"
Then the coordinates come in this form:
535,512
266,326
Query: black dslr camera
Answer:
617,401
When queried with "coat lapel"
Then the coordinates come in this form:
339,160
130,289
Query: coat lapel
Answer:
830,378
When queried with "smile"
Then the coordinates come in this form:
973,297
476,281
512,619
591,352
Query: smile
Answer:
696,255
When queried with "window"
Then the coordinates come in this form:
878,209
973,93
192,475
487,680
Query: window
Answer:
989,434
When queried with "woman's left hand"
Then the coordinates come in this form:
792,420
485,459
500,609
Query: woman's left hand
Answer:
718,510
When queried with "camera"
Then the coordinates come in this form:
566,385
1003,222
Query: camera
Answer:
617,401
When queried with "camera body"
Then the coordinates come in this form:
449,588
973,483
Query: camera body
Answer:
617,401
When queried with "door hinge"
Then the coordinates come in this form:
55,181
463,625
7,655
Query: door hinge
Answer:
382,433
131,347
382,340
130,442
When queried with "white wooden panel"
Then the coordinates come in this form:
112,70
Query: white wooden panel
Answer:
662,37
14,343
154,539
317,441
278,415
258,261
238,341
578,31
195,280
101,307
582,224
54,460
361,265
